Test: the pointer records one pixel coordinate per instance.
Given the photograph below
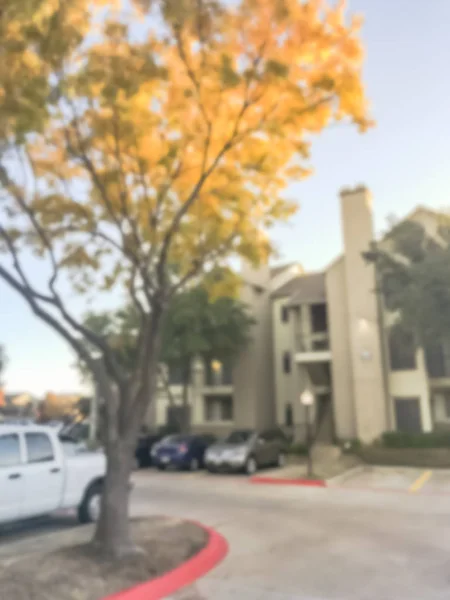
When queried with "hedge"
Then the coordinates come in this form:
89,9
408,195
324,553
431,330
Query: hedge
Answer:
399,439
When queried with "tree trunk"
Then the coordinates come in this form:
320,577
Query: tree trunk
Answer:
125,409
186,406
112,534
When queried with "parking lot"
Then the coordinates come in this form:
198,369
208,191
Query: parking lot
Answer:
395,479
416,481
373,533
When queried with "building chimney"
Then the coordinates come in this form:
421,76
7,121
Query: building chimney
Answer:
363,318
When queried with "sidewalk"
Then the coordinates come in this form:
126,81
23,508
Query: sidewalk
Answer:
324,467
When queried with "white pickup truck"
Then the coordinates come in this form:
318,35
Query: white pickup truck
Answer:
40,474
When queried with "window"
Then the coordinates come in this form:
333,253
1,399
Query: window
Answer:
9,450
437,365
402,350
287,362
319,320
407,415
288,415
39,447
218,408
284,314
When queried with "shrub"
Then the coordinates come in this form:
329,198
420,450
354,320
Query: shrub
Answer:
297,448
349,446
433,439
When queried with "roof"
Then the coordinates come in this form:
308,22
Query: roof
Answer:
274,271
287,289
304,289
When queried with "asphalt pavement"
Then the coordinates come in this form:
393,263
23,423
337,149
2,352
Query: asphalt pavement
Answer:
286,543
347,542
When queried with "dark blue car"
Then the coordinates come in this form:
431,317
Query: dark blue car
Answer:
181,451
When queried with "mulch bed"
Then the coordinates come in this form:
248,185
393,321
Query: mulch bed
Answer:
78,573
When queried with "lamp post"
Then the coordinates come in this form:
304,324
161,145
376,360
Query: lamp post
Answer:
307,400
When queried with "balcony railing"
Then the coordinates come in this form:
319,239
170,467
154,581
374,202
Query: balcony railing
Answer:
315,342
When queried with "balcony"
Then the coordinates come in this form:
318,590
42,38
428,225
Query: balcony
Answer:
218,375
312,348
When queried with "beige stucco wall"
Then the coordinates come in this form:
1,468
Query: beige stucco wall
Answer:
440,411
341,365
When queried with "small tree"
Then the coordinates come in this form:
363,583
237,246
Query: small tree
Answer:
198,327
127,152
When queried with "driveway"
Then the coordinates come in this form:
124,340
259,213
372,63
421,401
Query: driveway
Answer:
286,543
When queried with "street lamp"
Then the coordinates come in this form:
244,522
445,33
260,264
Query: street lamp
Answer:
307,400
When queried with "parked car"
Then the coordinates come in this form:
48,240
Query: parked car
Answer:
182,451
247,450
17,421
144,446
39,475
75,432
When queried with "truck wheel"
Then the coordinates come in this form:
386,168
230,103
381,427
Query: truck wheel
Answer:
89,509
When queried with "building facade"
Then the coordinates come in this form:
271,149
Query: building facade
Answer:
327,332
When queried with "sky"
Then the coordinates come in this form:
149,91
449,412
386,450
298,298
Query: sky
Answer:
404,160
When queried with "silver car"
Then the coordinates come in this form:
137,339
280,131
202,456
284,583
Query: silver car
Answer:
247,450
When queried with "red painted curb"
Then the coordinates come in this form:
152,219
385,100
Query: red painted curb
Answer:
215,550
279,481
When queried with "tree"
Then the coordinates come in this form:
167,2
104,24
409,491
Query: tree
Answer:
414,275
140,157
3,363
196,326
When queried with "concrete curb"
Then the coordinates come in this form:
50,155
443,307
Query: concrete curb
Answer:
280,481
215,551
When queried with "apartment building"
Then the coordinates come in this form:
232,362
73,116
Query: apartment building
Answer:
327,332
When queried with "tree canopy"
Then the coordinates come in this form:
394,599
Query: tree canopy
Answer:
414,269
195,326
144,143
198,327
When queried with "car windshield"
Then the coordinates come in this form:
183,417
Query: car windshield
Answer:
239,437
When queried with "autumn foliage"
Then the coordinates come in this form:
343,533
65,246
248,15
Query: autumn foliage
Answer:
144,143
192,126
